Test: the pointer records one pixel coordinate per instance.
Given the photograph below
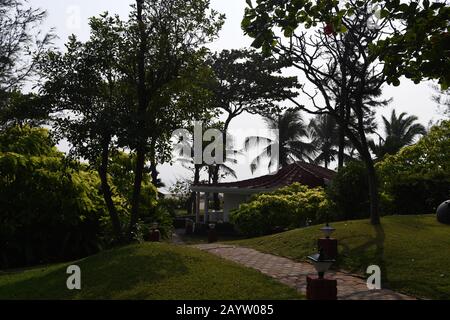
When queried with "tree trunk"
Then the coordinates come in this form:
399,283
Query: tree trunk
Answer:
196,181
153,170
137,186
141,110
216,198
107,193
341,139
189,203
373,193
360,143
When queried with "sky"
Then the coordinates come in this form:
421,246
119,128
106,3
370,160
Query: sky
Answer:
71,17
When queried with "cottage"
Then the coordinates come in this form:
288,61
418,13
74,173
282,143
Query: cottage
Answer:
235,193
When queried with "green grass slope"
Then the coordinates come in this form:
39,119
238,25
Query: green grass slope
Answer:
146,271
412,251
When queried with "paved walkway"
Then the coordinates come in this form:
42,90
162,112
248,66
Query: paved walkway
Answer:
293,274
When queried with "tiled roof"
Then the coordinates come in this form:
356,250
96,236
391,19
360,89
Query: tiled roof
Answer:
304,173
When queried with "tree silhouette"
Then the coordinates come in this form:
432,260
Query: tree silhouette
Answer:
291,130
400,131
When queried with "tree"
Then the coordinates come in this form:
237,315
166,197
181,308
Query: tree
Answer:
338,59
291,130
51,209
86,91
417,47
20,109
20,45
323,131
246,81
400,131
185,154
417,178
442,98
164,39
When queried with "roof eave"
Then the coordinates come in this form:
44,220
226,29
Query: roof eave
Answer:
235,190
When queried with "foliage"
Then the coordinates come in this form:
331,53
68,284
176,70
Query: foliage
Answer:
18,44
418,193
348,190
28,142
400,131
22,109
442,99
288,207
182,191
122,177
429,155
417,47
51,208
291,129
323,130
335,59
249,82
417,178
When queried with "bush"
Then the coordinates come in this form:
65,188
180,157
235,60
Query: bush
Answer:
51,208
419,194
349,191
290,207
48,212
417,179
162,216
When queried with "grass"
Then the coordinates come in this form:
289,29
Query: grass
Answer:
146,271
412,251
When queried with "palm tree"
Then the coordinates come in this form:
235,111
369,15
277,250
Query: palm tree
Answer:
324,133
399,131
291,129
185,155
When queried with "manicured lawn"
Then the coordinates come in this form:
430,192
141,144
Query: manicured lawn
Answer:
146,271
412,251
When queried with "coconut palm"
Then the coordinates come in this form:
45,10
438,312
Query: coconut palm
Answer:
291,130
400,131
184,150
324,133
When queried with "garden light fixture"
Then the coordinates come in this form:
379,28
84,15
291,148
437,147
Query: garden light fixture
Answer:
321,263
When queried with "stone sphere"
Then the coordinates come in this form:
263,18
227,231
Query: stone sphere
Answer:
443,212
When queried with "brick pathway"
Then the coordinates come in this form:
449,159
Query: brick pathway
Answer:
293,274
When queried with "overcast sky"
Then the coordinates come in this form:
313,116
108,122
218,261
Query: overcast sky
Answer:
71,17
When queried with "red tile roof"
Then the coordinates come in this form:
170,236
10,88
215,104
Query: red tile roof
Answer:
301,172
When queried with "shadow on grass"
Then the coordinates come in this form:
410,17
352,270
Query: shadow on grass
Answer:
358,259
103,276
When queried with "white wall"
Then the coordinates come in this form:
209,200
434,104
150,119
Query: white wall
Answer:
232,201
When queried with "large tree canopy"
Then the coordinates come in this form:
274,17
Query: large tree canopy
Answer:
417,47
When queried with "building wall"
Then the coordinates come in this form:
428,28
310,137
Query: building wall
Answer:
231,202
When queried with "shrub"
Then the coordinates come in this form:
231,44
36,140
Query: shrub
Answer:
51,208
419,193
349,191
49,212
417,178
290,207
